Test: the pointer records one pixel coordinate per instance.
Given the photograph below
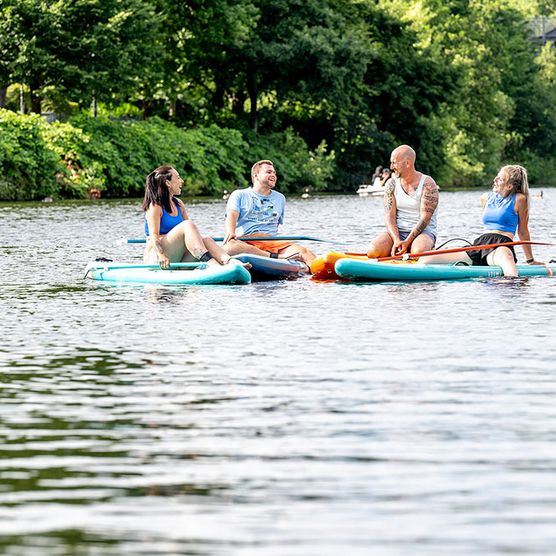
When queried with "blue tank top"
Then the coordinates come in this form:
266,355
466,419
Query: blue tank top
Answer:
167,222
499,213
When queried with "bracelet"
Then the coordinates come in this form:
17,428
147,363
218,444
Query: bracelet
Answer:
529,261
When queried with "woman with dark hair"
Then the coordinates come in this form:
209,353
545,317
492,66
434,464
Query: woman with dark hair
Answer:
171,236
505,212
385,176
376,178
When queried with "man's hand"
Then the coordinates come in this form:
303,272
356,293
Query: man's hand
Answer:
228,237
401,247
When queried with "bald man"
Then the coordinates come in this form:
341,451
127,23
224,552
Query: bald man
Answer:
410,203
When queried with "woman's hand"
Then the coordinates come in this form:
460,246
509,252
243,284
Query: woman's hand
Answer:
164,261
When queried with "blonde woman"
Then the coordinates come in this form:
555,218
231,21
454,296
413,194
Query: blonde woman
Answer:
505,213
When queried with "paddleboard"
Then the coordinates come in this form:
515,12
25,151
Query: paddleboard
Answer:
205,274
322,267
265,268
369,271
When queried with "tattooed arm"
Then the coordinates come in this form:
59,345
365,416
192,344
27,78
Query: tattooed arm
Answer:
390,210
429,202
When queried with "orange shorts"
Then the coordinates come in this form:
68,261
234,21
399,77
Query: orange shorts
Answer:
274,246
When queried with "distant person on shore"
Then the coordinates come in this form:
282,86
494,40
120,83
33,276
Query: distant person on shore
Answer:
171,236
410,203
376,178
258,211
386,175
505,212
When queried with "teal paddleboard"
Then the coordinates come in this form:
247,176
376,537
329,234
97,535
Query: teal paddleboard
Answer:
265,268
232,273
369,271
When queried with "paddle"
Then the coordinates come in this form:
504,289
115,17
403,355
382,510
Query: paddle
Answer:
117,266
407,256
264,238
99,265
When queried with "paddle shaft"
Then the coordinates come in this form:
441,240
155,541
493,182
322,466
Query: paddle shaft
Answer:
262,238
172,266
406,256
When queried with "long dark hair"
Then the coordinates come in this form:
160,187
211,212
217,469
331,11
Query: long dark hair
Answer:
377,174
156,190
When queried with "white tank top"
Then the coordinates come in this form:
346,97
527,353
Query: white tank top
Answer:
408,207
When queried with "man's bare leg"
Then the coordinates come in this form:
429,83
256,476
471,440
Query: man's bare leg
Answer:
380,246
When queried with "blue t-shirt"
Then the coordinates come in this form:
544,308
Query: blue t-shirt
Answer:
258,214
499,213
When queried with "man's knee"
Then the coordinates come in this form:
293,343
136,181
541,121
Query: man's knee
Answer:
375,250
372,250
423,242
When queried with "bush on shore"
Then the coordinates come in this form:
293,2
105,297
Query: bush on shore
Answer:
71,159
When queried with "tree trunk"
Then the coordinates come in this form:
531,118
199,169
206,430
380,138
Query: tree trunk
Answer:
238,104
173,109
146,106
36,101
218,96
252,92
3,93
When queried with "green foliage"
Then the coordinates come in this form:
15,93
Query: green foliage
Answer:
38,159
28,168
79,174
341,82
209,159
77,48
536,144
297,167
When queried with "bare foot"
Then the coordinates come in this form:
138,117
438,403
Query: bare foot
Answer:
231,260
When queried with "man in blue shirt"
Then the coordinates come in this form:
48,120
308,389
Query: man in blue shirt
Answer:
258,211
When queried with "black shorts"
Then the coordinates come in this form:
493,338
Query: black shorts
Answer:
479,257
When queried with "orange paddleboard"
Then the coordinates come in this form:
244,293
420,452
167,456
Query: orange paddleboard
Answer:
322,267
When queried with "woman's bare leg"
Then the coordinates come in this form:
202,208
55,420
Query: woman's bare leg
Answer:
502,256
446,258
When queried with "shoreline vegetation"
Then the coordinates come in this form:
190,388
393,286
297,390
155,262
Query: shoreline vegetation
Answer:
93,95
89,157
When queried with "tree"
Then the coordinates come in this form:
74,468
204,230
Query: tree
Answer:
487,48
78,48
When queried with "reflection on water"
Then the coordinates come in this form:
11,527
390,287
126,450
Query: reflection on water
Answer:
293,418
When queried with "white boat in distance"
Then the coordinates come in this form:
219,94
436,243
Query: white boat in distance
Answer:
370,190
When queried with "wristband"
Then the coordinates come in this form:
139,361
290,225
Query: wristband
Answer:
529,261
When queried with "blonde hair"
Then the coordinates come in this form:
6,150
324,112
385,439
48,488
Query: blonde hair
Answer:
257,165
517,178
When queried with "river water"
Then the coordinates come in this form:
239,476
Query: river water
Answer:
278,418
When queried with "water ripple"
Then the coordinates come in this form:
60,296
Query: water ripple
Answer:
278,418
